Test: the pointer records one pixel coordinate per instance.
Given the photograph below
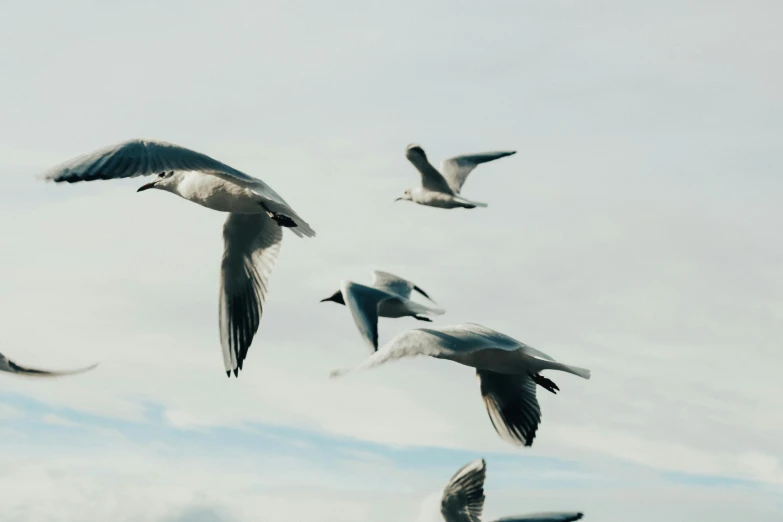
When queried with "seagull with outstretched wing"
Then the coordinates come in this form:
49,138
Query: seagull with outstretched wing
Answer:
252,232
463,499
443,189
389,296
508,371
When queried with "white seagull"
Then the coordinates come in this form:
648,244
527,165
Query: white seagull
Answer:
252,232
389,296
7,365
507,369
463,499
442,189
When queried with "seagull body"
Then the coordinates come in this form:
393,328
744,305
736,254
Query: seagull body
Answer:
463,499
508,371
7,365
389,296
442,189
252,232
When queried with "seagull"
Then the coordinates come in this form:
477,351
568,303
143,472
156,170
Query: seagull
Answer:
507,370
252,232
463,499
7,365
389,296
442,189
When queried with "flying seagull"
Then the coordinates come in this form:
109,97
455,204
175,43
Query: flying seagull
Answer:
463,499
442,189
508,371
7,365
252,232
389,296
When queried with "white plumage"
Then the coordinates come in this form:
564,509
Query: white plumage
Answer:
508,371
252,231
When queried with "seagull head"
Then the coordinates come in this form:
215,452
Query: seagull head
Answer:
162,181
336,297
407,196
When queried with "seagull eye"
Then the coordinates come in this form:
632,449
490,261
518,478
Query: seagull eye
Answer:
162,174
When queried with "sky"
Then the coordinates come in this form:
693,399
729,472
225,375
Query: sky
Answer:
635,233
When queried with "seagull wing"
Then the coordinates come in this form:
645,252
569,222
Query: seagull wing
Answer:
431,179
463,496
512,405
363,302
456,169
543,517
396,285
139,157
7,365
442,342
252,242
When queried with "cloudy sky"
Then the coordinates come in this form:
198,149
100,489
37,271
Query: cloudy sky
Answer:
636,233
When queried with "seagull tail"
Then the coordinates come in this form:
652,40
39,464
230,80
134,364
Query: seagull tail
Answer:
576,370
470,204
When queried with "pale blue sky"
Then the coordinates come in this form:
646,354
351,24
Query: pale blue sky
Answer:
635,233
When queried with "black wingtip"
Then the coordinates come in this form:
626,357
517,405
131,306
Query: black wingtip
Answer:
236,372
422,292
228,373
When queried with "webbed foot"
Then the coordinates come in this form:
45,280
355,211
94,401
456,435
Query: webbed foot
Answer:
545,383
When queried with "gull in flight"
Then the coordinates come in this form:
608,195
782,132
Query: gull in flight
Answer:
252,232
389,296
7,365
442,189
463,499
508,371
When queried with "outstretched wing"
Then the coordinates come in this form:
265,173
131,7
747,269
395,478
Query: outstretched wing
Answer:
431,179
512,405
456,169
463,496
543,517
252,242
7,365
440,341
138,157
363,303
396,285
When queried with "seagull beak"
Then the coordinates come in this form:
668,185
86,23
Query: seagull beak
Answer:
399,199
147,186
325,300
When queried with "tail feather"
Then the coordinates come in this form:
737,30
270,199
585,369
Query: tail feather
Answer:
576,370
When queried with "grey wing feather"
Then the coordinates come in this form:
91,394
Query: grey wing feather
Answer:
252,242
512,405
431,179
396,284
363,303
456,169
436,341
139,157
543,517
7,365
463,496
